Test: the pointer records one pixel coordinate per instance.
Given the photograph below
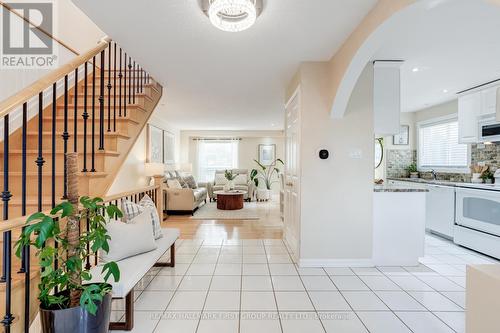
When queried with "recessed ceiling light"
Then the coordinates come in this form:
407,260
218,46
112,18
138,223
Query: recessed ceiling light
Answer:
415,69
445,91
272,125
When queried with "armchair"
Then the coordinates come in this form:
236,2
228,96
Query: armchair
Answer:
241,183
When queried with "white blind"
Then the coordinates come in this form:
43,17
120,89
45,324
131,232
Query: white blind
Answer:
216,155
439,147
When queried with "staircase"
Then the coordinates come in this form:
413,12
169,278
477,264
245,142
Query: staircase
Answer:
97,105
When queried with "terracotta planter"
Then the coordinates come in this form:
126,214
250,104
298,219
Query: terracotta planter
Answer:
77,320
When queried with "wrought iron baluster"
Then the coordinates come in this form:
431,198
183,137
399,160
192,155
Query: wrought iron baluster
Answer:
65,136
120,89
39,160
125,89
114,89
129,80
75,116
134,83
26,251
85,116
101,105
109,87
7,236
92,169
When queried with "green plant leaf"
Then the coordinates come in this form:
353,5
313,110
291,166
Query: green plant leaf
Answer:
65,207
91,295
111,268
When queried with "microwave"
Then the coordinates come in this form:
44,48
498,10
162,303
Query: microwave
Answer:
489,130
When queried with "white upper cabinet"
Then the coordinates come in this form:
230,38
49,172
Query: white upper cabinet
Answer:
469,107
488,101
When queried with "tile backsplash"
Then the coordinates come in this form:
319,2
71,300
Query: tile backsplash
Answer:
489,154
398,161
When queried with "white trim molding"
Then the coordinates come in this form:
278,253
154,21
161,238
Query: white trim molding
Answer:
336,263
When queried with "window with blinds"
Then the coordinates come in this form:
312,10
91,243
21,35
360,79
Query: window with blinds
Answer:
438,146
216,155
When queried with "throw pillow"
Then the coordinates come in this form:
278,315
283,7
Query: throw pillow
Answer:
129,239
190,181
240,179
131,210
220,179
173,183
148,203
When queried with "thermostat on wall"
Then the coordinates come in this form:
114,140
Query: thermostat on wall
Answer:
324,154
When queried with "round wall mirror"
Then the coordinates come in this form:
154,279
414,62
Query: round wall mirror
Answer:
379,151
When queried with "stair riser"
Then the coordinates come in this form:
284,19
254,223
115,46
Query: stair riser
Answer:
15,163
132,109
15,182
122,125
110,142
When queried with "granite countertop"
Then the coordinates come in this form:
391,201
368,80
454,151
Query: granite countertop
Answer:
490,187
398,188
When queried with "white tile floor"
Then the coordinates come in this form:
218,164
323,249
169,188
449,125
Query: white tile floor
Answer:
253,286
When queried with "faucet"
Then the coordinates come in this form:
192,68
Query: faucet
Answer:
434,174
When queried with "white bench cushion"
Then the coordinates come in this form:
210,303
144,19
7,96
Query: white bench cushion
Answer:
133,269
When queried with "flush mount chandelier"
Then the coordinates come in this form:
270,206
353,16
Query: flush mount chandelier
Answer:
233,15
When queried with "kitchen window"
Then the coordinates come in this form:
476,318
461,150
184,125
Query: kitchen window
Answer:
216,155
438,146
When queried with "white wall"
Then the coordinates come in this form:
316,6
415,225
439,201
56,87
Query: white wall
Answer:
336,194
247,150
131,175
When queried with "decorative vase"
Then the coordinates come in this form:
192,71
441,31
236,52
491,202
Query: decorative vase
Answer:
231,184
476,178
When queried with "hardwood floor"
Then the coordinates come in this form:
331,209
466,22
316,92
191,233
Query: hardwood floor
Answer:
268,226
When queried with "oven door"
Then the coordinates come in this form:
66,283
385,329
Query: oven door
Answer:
478,210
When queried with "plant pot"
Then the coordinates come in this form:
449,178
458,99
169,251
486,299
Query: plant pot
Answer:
77,319
488,181
263,195
476,178
413,174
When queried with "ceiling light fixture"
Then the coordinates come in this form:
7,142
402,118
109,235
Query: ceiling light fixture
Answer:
415,69
445,91
232,15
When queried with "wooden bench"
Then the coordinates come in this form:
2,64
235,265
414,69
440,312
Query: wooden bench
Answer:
133,269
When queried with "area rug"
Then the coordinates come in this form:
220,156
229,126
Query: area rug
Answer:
209,211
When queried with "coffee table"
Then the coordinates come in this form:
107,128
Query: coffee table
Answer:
230,200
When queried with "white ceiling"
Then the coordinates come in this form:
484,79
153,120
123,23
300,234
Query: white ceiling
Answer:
455,44
220,80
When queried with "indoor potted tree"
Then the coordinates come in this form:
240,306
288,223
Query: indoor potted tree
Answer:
266,175
67,302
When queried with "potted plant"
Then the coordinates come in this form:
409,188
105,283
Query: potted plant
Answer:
68,303
230,176
488,177
412,170
266,175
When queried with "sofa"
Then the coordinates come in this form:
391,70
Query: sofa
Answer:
186,199
242,182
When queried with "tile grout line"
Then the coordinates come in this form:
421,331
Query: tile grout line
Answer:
272,286
341,294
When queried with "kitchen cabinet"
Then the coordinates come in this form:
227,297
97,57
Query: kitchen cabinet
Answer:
488,101
469,107
440,212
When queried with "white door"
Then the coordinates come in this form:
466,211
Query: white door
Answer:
292,174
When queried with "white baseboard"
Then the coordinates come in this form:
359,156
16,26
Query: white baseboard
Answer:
336,263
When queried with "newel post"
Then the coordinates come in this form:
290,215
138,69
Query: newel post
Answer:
158,181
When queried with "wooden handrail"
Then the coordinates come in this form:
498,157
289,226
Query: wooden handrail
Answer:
66,46
18,222
9,104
